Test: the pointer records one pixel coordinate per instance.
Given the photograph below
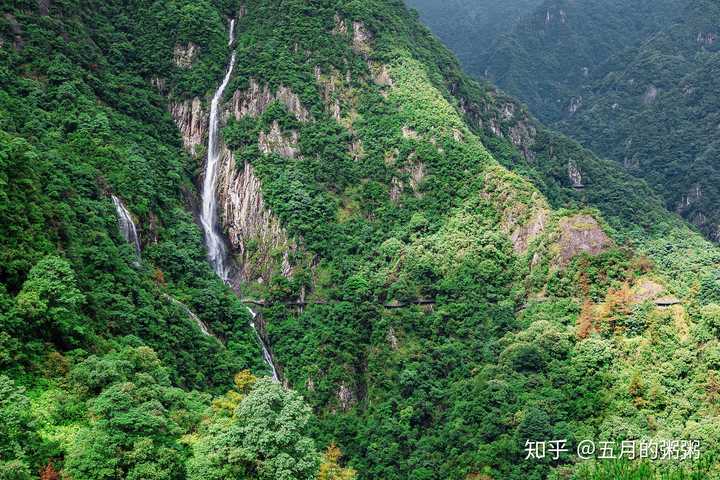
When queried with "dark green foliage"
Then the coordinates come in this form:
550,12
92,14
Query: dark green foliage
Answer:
632,80
431,343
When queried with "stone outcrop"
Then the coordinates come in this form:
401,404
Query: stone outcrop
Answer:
380,74
254,233
159,83
361,38
707,39
192,122
331,86
340,27
415,173
255,99
523,211
346,397
184,55
646,289
574,174
16,30
275,141
580,233
650,95
44,7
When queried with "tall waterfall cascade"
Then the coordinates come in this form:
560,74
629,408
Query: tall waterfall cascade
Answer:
217,252
127,226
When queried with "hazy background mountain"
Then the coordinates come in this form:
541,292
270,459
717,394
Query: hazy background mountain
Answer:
634,81
470,27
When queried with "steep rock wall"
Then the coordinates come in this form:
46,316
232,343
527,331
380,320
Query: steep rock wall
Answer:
255,234
258,242
192,121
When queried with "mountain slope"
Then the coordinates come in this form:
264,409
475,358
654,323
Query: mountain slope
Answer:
633,81
659,100
428,278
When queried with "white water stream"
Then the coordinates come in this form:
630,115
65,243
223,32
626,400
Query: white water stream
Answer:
127,226
217,253
215,244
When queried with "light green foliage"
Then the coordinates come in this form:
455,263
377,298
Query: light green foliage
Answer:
266,439
19,443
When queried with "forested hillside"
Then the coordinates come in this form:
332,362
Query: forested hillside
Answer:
634,81
655,109
470,27
437,277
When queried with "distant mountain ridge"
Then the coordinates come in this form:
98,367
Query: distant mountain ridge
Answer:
634,81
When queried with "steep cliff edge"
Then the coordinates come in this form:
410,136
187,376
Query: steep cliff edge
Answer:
259,245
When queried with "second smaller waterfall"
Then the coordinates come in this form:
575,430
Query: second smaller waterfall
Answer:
266,353
201,325
126,224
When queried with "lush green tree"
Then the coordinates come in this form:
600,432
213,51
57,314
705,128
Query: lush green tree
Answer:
266,439
51,301
136,419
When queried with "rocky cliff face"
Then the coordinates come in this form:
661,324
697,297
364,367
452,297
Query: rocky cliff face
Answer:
258,242
254,100
257,239
192,121
184,55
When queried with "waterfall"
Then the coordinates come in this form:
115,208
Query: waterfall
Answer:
217,253
127,226
201,325
209,218
266,353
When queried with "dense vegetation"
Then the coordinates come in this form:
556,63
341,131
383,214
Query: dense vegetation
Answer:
417,188
470,27
634,81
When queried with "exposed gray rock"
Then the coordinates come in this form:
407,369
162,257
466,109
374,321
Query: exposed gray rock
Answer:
16,29
574,174
707,38
361,38
580,233
254,233
192,122
44,7
392,339
254,100
346,397
184,55
340,27
275,141
575,104
650,95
